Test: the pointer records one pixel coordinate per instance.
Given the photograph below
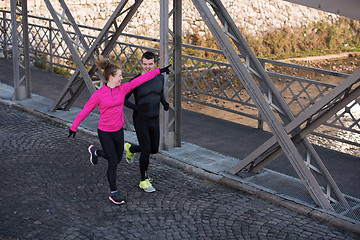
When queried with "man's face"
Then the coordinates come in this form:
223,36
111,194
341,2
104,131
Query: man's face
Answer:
147,65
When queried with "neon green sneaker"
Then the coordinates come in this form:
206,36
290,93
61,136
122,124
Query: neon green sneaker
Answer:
129,155
146,186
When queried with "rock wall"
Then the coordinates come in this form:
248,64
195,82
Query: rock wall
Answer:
254,17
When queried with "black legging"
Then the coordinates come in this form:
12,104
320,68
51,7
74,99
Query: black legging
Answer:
112,144
148,134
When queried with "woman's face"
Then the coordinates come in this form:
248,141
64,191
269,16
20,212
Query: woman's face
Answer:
115,81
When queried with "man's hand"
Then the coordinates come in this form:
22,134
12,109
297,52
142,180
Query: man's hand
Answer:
165,69
71,133
166,106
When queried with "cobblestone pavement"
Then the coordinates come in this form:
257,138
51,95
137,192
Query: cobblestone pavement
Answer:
50,190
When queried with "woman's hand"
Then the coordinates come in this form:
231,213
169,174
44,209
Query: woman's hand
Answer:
71,133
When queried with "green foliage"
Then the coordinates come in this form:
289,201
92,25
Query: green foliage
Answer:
42,64
62,71
204,41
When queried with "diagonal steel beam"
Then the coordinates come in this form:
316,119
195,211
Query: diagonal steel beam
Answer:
71,20
221,36
70,46
76,84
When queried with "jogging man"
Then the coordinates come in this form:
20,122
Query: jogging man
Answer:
148,97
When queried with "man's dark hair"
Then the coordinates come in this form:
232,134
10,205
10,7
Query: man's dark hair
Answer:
149,55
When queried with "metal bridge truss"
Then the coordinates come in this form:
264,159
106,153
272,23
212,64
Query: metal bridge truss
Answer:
304,159
289,131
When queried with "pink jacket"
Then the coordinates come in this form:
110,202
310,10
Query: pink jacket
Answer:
111,103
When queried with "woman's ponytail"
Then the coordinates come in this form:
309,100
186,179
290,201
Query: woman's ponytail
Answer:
108,67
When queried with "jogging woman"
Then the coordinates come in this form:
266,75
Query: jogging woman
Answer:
110,100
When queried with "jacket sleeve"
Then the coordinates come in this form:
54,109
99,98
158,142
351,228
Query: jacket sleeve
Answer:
88,107
129,86
127,102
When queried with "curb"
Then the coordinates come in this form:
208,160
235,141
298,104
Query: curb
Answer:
224,179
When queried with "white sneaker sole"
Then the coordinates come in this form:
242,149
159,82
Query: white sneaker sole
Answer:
118,203
91,154
146,190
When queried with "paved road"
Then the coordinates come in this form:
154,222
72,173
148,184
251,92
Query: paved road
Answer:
49,190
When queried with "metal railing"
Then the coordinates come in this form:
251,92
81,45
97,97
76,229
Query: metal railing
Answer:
206,82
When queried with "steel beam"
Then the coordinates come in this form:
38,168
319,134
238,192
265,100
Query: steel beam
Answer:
164,61
20,51
177,62
170,122
346,8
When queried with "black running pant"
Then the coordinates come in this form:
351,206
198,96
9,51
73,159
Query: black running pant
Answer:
148,134
112,144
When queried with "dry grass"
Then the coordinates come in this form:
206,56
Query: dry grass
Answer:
317,39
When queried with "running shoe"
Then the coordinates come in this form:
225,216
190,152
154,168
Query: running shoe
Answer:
116,198
129,155
93,157
146,186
